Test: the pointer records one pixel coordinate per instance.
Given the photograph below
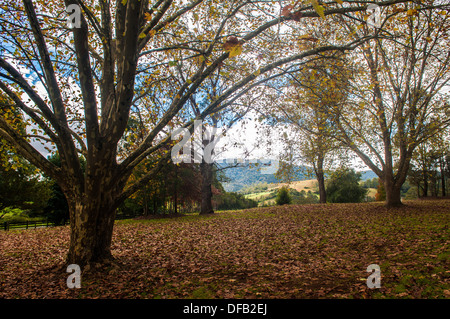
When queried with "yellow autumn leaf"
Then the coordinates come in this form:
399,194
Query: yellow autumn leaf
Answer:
142,35
235,50
411,12
124,2
233,46
319,9
148,16
340,1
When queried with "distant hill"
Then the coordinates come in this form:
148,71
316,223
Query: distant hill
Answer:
367,175
246,174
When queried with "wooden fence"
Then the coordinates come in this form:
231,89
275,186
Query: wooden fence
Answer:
44,223
27,225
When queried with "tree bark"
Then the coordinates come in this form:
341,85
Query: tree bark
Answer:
321,180
92,213
393,194
206,204
175,191
433,182
442,168
322,190
91,229
425,183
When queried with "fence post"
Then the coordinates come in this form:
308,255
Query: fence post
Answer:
27,224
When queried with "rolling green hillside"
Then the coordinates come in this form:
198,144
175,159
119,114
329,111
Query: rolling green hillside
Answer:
246,175
302,192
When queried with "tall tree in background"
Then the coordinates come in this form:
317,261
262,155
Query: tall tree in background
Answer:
318,89
343,187
79,86
429,165
309,98
398,101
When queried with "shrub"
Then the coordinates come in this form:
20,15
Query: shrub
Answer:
230,201
283,196
381,192
343,187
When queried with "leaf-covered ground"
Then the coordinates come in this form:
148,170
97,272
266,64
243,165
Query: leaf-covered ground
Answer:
312,251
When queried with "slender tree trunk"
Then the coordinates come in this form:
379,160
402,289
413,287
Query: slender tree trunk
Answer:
442,166
206,172
434,186
322,190
418,189
175,191
425,183
145,212
321,180
155,204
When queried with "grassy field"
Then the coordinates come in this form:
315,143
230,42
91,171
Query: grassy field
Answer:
267,197
310,251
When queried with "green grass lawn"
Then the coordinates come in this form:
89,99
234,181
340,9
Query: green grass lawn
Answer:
309,251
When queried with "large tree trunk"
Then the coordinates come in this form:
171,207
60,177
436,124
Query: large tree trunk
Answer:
393,193
206,205
92,214
91,229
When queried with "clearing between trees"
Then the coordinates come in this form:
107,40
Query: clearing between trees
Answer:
307,251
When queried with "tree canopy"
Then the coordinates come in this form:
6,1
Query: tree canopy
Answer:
105,82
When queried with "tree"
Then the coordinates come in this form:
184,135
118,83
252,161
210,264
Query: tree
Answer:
115,62
313,91
283,196
398,97
429,165
381,192
22,188
343,187
229,201
371,183
57,208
